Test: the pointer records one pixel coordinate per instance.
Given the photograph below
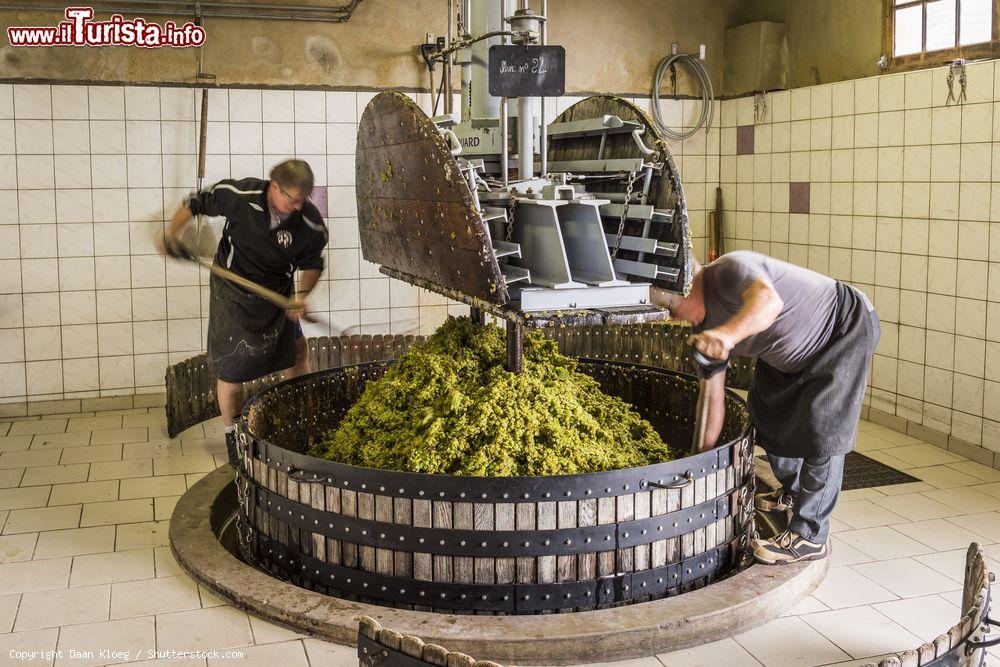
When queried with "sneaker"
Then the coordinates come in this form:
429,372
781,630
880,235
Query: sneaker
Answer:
773,501
787,547
231,447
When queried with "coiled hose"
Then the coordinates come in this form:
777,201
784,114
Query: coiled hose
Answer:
696,67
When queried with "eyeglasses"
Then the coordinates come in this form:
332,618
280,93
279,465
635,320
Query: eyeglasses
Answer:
291,202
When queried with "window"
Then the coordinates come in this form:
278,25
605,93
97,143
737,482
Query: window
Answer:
921,33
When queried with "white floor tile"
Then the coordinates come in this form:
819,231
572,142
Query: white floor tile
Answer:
939,534
865,514
789,642
862,631
112,567
920,455
285,653
965,500
986,524
846,587
107,643
75,542
890,460
952,563
906,577
153,596
883,542
327,653
723,652
8,611
916,507
40,641
978,470
49,609
926,617
904,489
265,632
202,629
15,548
944,476
808,605
843,553
34,575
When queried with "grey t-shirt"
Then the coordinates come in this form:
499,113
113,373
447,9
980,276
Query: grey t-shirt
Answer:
805,323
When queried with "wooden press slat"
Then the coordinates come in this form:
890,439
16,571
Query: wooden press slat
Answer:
384,558
463,520
643,510
482,519
605,515
423,569
443,565
403,515
566,565
625,511
587,562
658,507
699,498
547,520
525,520
366,510
333,548
349,507
505,521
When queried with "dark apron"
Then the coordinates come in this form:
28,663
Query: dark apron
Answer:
814,412
248,336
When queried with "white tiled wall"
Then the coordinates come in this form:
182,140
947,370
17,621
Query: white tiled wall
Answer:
87,173
904,203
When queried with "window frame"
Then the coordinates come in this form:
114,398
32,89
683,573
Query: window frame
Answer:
923,59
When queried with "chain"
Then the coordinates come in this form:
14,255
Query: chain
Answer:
621,222
244,531
962,80
748,492
510,219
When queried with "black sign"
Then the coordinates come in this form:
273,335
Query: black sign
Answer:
527,71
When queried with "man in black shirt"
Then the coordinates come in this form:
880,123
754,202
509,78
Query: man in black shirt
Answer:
271,231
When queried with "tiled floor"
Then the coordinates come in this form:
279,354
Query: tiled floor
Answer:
85,566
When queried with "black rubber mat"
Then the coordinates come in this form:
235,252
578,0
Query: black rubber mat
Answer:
862,472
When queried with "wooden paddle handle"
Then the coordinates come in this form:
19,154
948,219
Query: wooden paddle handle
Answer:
280,300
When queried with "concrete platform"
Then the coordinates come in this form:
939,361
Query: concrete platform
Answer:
734,605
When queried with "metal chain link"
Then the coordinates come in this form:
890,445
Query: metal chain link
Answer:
244,531
621,222
510,219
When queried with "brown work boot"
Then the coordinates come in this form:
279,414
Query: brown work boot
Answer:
787,547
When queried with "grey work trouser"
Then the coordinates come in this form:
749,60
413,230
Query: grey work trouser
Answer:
814,484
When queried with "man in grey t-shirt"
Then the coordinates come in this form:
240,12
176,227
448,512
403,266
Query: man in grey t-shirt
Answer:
813,338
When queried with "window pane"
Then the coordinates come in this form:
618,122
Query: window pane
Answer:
977,20
940,24
908,30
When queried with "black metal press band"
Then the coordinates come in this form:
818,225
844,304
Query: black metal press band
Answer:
504,598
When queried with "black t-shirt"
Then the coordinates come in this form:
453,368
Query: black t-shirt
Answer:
249,245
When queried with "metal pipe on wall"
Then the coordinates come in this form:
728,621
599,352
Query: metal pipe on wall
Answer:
525,139
487,16
450,57
543,130
504,153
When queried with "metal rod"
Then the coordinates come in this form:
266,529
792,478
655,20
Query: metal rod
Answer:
448,60
525,143
515,340
504,138
543,129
